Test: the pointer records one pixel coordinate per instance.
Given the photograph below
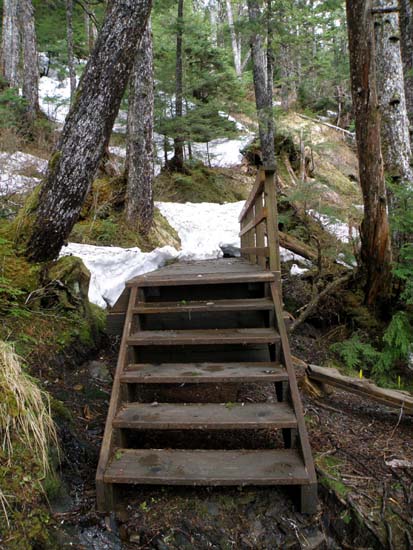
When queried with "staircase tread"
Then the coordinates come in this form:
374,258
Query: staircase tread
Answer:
211,416
247,304
205,336
179,373
200,275
207,467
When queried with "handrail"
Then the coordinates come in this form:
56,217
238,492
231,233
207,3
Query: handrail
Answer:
259,223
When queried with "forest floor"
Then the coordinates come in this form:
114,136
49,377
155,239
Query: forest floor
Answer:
363,454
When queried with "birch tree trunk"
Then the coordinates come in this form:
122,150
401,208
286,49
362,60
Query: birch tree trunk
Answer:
375,254
10,46
236,46
70,53
263,99
87,128
390,90
139,157
406,28
177,162
30,58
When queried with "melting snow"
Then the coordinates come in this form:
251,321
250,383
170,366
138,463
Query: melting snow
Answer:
11,168
110,267
204,228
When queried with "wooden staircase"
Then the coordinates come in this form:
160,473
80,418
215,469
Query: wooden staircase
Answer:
194,334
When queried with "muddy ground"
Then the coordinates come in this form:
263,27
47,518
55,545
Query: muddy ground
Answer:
363,454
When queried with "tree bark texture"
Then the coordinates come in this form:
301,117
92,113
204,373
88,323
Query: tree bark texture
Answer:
375,254
139,159
10,43
263,99
235,44
390,90
87,128
178,160
70,48
30,58
406,28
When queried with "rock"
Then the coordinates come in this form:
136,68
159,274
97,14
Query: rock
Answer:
99,371
315,541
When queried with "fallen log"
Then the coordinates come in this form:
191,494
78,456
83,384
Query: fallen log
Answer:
294,245
332,126
363,387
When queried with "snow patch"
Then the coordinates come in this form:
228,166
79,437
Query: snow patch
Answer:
54,97
297,270
204,228
110,267
12,166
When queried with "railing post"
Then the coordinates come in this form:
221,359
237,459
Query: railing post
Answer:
272,219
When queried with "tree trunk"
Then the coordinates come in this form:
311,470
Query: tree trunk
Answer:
390,91
10,43
87,128
375,257
406,28
213,19
90,27
139,157
263,100
236,50
70,53
178,160
30,59
288,86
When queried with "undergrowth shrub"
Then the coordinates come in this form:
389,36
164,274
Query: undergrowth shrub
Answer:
396,350
27,432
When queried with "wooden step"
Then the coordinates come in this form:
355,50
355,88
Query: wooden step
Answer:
208,416
257,304
182,467
198,373
196,278
204,337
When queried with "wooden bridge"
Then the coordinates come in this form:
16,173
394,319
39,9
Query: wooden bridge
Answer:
195,334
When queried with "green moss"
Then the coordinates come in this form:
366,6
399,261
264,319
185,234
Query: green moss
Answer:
54,159
330,477
28,517
198,184
21,227
60,410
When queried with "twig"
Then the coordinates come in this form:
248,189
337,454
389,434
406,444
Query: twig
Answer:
384,501
389,535
397,425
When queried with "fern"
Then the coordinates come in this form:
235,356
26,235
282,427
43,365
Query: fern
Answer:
356,354
398,341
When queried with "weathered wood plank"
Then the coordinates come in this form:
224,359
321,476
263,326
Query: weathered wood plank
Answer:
103,499
253,223
256,190
204,337
198,373
257,304
205,416
364,387
181,467
272,221
295,395
255,276
255,251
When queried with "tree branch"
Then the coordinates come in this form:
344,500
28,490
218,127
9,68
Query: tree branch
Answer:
315,301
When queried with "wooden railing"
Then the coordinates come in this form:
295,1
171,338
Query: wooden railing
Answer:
259,223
